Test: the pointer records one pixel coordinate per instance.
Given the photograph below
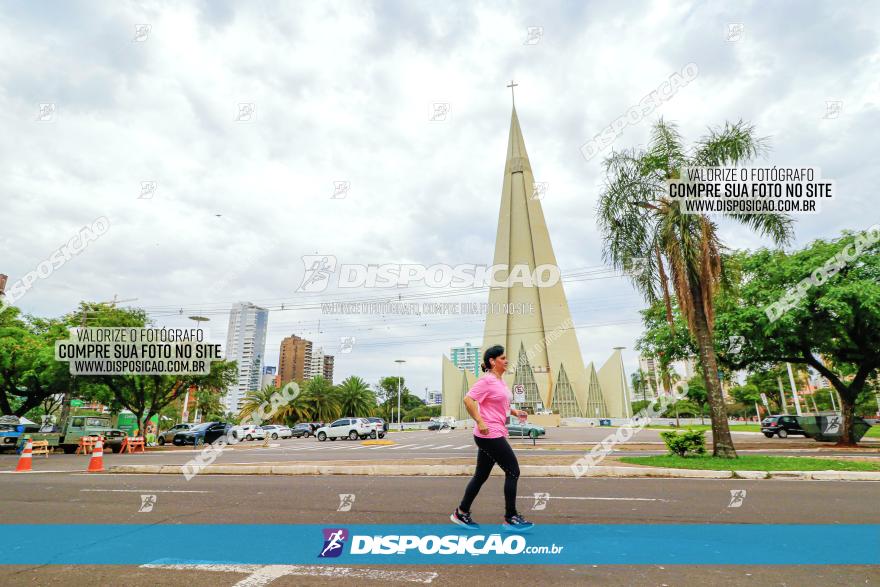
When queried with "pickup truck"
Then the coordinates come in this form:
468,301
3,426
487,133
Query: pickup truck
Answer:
68,436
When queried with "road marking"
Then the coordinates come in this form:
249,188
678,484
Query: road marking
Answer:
259,575
463,446
30,472
596,498
442,446
147,490
417,446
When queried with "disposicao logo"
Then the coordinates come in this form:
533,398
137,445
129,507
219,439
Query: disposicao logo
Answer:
334,541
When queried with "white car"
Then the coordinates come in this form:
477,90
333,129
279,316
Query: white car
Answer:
351,428
276,431
248,432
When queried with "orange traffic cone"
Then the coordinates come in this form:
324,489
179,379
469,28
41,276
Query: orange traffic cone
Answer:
24,461
96,463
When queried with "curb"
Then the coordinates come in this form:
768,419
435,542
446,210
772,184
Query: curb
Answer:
525,471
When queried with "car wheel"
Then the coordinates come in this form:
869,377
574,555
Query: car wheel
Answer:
274,436
249,437
353,435
161,441
382,435
768,434
363,436
333,439
373,434
322,437
783,434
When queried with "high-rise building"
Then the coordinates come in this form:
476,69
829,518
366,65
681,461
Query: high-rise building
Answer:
316,366
328,368
294,360
246,345
269,373
435,398
466,358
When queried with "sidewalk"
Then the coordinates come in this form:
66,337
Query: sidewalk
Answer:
556,467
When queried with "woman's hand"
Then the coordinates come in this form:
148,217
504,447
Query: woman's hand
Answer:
482,426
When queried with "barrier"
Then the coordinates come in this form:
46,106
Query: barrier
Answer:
41,447
87,444
131,444
24,461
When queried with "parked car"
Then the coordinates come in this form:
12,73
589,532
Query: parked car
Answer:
378,428
275,431
380,421
781,426
168,435
303,429
351,428
517,428
442,423
205,433
248,432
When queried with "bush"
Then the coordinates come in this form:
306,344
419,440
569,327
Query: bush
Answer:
691,441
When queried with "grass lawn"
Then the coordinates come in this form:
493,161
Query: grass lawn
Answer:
733,427
873,431
752,463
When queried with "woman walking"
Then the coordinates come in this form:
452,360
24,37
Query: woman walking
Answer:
488,403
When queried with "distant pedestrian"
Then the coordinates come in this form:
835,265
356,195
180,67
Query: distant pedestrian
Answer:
488,403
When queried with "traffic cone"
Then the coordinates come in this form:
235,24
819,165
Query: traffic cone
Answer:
24,461
96,463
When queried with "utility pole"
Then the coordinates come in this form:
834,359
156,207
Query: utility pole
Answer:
794,394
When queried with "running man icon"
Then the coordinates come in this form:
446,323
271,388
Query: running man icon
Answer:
334,540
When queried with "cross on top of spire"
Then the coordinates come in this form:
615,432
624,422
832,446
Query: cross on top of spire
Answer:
512,85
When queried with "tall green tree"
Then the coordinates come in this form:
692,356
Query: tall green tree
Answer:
29,374
322,399
355,397
647,235
832,324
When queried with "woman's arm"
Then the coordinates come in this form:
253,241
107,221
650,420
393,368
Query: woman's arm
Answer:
473,409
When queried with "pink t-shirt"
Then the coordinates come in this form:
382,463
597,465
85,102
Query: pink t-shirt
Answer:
493,397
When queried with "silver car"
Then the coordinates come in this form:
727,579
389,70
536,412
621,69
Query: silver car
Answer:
168,435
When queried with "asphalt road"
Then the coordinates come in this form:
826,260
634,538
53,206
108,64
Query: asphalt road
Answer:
105,498
423,445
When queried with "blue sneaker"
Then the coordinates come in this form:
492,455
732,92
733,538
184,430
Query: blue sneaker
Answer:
463,519
517,523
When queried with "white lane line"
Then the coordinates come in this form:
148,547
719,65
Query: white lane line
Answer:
259,575
442,446
146,491
398,447
418,446
31,472
595,498
463,446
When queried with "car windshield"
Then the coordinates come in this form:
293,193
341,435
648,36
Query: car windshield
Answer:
100,422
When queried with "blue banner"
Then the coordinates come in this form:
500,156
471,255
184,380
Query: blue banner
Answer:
555,544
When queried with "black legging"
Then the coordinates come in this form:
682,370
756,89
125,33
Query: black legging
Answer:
491,451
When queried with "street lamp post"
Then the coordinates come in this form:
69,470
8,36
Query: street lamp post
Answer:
400,363
184,413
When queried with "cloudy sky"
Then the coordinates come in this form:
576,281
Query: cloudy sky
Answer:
345,92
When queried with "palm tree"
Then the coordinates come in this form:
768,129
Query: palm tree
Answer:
355,397
254,399
296,410
321,399
643,228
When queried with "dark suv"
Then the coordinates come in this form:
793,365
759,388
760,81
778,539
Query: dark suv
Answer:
781,426
304,429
